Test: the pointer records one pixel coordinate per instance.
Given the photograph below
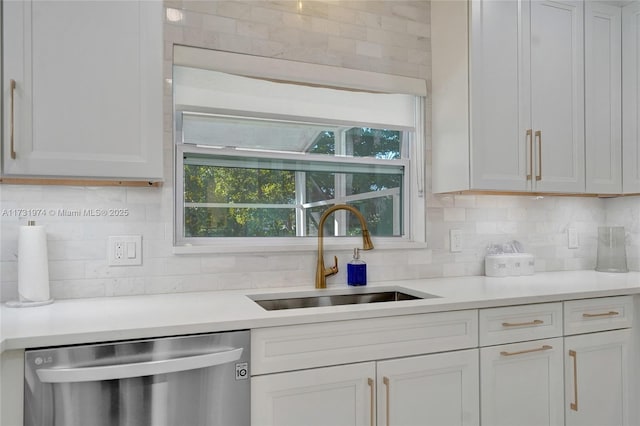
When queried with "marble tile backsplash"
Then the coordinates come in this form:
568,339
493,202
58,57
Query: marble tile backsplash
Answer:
383,36
78,249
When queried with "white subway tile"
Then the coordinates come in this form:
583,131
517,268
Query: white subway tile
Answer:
454,214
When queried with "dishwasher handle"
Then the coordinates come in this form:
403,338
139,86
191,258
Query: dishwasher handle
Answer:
136,369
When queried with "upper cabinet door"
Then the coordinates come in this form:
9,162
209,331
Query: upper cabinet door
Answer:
525,72
500,111
83,89
603,115
557,95
631,97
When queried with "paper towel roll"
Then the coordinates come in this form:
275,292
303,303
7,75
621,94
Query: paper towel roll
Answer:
33,264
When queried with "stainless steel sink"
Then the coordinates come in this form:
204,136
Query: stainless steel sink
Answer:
315,299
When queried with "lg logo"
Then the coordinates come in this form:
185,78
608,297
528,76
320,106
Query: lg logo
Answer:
41,360
242,371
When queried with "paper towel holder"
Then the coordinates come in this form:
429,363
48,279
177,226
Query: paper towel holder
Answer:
28,303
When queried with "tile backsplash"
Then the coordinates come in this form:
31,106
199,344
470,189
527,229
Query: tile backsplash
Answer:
383,36
78,249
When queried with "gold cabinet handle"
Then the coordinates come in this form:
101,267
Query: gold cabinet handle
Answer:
574,405
12,85
530,145
604,314
539,138
522,324
385,380
527,351
371,403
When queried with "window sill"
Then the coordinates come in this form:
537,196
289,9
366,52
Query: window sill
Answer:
287,246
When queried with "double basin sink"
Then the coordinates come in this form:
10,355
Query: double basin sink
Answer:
318,298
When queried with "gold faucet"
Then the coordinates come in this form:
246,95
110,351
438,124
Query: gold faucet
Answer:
321,272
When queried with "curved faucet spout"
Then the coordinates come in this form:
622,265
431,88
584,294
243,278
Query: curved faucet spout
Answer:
321,271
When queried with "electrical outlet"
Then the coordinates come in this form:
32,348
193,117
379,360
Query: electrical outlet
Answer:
118,250
572,238
455,240
124,250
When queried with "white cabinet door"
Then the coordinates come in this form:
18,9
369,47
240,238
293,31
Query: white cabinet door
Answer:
337,396
557,95
631,97
525,97
88,90
597,377
438,390
499,97
603,98
522,384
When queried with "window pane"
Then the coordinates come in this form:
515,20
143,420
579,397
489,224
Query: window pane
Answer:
377,143
239,222
238,202
378,214
252,133
205,184
281,135
377,197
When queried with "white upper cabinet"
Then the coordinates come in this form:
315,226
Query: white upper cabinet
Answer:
518,125
557,95
603,115
499,97
83,89
631,97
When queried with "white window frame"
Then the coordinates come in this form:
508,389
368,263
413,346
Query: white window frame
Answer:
334,77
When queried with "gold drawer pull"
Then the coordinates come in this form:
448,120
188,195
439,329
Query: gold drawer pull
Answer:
372,402
529,142
522,324
12,86
574,405
527,351
538,136
385,380
604,314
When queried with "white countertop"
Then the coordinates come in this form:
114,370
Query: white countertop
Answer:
76,321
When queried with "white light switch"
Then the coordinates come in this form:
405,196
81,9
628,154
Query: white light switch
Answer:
131,250
124,250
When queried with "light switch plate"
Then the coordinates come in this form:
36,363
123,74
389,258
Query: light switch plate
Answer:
124,250
455,240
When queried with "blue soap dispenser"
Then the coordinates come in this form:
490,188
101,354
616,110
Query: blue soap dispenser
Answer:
356,270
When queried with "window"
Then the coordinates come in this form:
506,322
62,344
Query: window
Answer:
260,160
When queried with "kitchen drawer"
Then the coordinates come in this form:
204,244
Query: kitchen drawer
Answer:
590,315
323,344
520,323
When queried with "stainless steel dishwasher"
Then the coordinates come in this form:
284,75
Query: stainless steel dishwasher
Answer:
199,380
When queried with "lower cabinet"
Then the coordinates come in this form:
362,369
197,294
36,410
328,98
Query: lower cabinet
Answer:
597,378
522,384
438,389
579,375
548,364
342,396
